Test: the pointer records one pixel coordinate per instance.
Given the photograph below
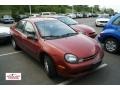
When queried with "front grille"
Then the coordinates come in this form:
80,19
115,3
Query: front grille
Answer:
103,21
90,57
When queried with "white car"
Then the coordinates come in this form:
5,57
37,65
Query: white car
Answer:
35,15
102,20
71,15
4,34
79,15
47,13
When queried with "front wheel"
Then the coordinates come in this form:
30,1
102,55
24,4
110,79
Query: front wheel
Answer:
112,45
15,46
49,67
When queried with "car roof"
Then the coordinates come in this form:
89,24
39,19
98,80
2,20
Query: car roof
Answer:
37,19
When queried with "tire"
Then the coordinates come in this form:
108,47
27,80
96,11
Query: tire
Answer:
111,45
15,46
49,67
96,25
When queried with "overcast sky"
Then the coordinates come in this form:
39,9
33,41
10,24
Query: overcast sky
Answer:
115,4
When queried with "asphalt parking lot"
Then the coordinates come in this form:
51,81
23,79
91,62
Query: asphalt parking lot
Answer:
32,73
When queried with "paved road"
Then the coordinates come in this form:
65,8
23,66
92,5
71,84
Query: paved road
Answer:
32,72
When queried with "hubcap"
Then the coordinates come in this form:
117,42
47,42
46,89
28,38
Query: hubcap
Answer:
46,66
111,46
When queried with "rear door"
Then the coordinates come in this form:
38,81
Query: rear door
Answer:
18,33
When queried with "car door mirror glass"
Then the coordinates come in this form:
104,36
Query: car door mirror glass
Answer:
31,35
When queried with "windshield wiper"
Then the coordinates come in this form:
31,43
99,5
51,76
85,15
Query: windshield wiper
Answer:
59,36
51,36
73,24
68,34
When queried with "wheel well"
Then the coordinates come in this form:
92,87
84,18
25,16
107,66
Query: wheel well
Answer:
109,37
41,57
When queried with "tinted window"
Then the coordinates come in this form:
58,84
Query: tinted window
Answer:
67,20
117,21
53,28
20,25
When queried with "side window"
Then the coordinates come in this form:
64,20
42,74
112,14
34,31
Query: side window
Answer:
29,29
20,26
117,21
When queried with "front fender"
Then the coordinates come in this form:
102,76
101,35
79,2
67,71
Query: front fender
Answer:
109,33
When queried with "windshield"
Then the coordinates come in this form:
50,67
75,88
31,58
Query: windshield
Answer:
104,16
51,29
67,20
7,17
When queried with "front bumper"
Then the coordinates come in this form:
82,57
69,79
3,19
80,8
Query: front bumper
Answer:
100,39
4,38
75,70
8,21
86,70
100,24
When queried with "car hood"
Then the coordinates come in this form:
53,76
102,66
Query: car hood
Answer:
102,19
4,30
79,45
83,28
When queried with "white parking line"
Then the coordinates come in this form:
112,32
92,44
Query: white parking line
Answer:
11,53
71,80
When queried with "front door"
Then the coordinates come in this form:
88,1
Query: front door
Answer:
30,40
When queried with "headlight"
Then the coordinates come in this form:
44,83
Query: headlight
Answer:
70,58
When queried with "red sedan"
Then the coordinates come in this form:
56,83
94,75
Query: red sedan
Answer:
59,48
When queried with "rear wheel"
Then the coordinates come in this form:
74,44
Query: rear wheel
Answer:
15,46
49,66
111,45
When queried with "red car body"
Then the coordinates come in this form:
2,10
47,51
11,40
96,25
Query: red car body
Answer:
78,45
87,30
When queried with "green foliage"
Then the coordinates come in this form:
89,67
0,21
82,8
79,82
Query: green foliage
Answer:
23,9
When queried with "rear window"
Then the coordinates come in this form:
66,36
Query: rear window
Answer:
67,20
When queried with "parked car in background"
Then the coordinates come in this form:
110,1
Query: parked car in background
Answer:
79,15
85,15
34,15
20,17
4,34
71,15
94,15
7,19
58,47
89,14
110,36
102,19
84,29
47,13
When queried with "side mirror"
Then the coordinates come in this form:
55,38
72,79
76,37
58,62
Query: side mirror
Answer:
31,36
